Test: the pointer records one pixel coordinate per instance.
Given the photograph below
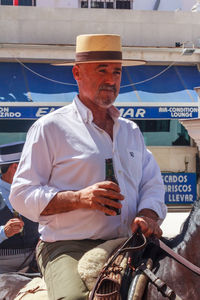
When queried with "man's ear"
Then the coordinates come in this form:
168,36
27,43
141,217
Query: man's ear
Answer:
76,72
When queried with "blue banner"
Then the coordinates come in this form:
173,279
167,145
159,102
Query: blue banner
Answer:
159,112
180,188
128,112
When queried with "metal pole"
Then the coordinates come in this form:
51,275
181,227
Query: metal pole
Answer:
156,5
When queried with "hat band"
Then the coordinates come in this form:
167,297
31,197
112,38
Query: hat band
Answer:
98,56
9,158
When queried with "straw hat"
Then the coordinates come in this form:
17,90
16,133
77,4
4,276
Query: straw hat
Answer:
10,153
92,48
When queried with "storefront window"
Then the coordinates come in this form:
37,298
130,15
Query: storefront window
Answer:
97,4
123,4
14,130
154,125
84,4
163,133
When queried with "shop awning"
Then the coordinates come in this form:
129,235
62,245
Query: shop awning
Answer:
153,88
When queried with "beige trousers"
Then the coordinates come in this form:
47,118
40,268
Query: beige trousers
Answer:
58,263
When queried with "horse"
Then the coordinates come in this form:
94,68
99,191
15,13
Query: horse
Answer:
11,283
181,280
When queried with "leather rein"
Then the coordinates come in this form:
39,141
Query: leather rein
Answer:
176,256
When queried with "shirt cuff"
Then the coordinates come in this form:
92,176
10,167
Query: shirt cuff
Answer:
3,236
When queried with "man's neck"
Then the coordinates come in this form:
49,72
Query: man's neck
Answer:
106,123
101,116
6,178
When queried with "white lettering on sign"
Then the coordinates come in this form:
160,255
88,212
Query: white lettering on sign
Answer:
43,111
183,109
180,198
178,188
175,178
4,109
5,113
140,112
162,109
182,112
181,115
132,112
128,113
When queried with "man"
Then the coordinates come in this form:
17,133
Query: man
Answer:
18,236
61,182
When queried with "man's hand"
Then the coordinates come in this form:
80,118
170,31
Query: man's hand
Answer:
13,226
100,196
147,221
93,197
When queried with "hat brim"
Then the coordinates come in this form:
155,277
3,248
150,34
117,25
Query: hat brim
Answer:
124,62
9,162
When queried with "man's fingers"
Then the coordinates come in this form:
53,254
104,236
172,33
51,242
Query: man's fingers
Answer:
148,226
105,205
108,185
134,227
107,193
105,209
102,196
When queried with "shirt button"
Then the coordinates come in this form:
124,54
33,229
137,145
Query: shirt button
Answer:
119,171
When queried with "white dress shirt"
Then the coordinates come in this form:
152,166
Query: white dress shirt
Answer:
65,150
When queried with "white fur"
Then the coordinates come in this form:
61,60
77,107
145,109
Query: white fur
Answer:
34,290
92,262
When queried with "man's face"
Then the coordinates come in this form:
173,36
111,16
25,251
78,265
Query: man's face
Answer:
99,83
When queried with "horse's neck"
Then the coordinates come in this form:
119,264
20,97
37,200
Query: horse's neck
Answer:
190,237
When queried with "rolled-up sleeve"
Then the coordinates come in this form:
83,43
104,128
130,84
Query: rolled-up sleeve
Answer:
30,192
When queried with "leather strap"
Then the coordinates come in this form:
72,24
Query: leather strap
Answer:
124,248
161,285
177,256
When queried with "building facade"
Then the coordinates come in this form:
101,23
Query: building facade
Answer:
34,40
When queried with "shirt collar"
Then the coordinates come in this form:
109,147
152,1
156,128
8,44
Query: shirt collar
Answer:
5,184
86,113
83,110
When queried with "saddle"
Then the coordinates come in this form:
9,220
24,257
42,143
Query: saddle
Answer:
127,272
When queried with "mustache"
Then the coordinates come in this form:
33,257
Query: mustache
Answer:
108,87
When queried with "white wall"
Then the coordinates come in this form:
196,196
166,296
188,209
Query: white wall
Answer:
41,25
185,5
176,158
58,3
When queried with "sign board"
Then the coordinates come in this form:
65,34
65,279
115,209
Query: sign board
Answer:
128,112
159,112
180,188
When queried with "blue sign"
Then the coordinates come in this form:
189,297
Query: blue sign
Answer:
128,112
159,112
25,112
180,188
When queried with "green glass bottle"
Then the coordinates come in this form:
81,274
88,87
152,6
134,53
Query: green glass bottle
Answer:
110,175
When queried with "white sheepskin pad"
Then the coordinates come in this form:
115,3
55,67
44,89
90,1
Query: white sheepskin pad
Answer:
92,262
34,290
